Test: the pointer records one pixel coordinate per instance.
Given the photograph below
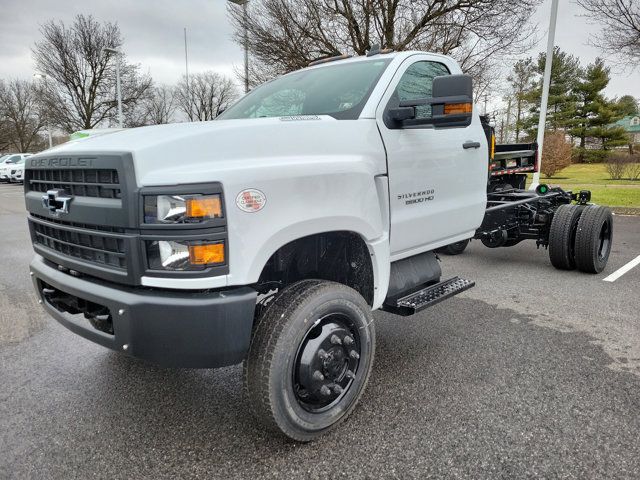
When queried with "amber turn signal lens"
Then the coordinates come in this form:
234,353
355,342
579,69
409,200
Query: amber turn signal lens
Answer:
204,207
456,108
206,254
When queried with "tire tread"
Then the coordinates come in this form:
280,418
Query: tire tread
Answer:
262,350
560,241
587,238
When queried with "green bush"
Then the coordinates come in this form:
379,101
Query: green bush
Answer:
596,156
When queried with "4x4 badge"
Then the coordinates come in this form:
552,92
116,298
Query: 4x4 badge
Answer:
57,202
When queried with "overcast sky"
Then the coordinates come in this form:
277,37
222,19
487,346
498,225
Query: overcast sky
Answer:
153,35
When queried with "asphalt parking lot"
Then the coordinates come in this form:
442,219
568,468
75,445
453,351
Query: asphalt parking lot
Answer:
533,373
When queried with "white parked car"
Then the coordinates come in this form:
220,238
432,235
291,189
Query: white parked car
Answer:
9,162
16,171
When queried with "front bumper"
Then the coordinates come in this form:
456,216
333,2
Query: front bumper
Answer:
174,329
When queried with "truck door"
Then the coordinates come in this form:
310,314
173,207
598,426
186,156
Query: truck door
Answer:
437,176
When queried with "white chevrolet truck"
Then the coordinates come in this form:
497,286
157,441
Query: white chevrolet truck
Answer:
316,199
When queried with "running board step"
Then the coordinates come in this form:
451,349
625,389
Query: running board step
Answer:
428,296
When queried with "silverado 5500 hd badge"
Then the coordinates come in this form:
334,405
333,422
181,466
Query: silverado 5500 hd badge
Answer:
417,197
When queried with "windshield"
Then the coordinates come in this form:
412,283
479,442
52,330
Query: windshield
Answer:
339,90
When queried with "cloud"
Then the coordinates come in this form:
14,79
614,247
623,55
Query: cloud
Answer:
152,31
153,35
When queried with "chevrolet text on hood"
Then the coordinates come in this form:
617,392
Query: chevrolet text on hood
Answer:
269,235
62,162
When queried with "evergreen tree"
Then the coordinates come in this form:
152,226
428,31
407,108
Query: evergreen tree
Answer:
565,71
590,100
627,105
606,135
521,83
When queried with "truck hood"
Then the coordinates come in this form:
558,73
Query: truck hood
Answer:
204,151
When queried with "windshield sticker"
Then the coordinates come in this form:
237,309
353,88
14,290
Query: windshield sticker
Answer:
295,118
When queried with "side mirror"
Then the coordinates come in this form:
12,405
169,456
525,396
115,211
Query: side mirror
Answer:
451,103
401,114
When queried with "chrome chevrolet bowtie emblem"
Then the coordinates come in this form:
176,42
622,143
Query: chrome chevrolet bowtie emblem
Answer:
57,202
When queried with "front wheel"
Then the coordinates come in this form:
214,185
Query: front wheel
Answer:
310,358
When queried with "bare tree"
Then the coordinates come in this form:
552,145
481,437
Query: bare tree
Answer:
160,106
286,35
22,116
620,34
207,95
80,90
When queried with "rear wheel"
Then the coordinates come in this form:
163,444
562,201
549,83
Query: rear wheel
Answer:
594,236
562,236
500,187
455,248
310,358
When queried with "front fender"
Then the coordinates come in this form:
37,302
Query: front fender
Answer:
331,199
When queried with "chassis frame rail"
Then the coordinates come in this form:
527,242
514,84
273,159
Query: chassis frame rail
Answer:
514,215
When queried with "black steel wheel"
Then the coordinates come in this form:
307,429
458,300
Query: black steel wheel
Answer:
594,238
562,236
326,363
310,358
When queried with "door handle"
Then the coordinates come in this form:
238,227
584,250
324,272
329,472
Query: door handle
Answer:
467,145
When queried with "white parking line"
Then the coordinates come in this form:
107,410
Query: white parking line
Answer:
622,270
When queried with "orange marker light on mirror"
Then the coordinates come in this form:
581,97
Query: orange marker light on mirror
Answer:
208,206
206,254
457,108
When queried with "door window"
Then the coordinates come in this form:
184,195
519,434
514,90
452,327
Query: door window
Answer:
417,82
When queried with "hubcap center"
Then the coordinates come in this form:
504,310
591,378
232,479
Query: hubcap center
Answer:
335,362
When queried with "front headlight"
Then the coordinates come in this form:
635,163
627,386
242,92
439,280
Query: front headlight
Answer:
181,209
184,256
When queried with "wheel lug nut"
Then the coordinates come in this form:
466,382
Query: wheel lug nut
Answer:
325,391
322,354
350,374
338,389
318,376
348,340
355,355
336,340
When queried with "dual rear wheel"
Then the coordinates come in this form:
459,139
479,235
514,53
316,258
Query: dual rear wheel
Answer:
580,237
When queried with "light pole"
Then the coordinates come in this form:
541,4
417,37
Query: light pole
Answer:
546,81
245,17
43,78
118,88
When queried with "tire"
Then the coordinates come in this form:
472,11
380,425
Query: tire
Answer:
293,345
499,187
455,248
594,238
562,236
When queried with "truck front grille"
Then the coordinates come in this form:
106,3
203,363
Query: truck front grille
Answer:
88,245
100,183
